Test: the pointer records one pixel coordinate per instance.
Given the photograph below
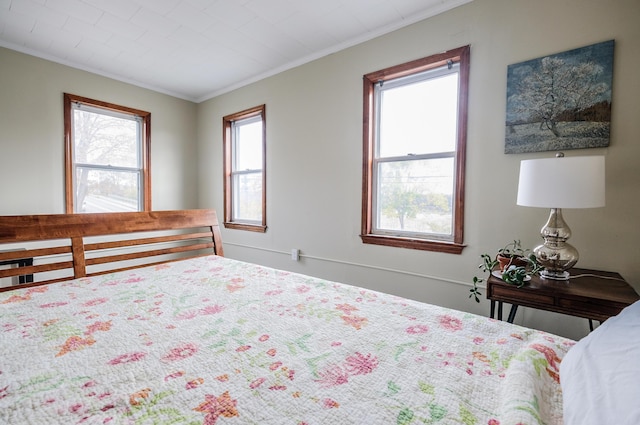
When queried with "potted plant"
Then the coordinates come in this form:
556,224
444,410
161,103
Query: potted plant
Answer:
516,266
512,254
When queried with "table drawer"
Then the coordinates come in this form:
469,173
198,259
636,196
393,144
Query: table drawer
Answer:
595,309
519,296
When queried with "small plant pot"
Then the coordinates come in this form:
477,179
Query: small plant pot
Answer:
506,261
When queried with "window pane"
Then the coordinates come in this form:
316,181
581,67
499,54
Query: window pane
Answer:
249,146
416,196
419,118
247,190
106,191
105,140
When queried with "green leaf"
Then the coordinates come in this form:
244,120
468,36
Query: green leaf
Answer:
426,388
405,416
393,388
437,412
467,417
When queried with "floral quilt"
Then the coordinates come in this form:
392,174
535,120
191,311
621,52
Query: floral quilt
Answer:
218,341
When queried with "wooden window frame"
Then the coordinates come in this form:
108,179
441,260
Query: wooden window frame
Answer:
227,141
455,246
145,116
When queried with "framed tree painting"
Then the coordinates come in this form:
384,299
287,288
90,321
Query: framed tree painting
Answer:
561,101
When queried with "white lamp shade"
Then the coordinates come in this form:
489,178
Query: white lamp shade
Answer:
562,182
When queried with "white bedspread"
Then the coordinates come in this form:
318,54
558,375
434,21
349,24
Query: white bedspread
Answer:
217,341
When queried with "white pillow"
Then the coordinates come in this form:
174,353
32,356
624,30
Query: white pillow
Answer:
600,375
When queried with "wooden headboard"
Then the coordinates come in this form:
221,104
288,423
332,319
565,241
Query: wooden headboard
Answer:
68,246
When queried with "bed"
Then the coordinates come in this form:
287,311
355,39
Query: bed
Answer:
153,328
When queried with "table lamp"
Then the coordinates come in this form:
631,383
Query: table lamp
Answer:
556,183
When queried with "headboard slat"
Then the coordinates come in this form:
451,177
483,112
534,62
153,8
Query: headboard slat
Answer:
147,241
27,270
145,254
79,265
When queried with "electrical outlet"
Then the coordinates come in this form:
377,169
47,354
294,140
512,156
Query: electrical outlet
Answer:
295,254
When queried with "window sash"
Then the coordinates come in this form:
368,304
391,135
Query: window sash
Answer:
247,209
423,83
416,199
237,151
137,120
117,202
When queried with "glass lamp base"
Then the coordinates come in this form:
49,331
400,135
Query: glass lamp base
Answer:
556,255
554,275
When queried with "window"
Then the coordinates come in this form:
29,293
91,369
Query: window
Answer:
244,140
106,157
414,137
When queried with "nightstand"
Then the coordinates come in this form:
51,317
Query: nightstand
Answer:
592,294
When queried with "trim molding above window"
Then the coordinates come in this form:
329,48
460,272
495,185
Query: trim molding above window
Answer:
245,184
107,156
414,143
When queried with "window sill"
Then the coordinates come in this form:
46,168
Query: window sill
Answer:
411,243
243,226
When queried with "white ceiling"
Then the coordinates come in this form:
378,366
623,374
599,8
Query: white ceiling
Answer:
197,49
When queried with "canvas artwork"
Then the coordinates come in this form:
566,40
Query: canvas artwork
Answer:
561,101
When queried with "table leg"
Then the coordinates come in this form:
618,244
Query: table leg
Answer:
499,310
512,313
493,309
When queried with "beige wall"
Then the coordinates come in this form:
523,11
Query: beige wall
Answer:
314,115
32,143
314,154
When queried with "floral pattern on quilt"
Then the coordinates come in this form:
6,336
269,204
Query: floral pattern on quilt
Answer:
218,341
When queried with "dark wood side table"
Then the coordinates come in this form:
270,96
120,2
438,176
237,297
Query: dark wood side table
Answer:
592,294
